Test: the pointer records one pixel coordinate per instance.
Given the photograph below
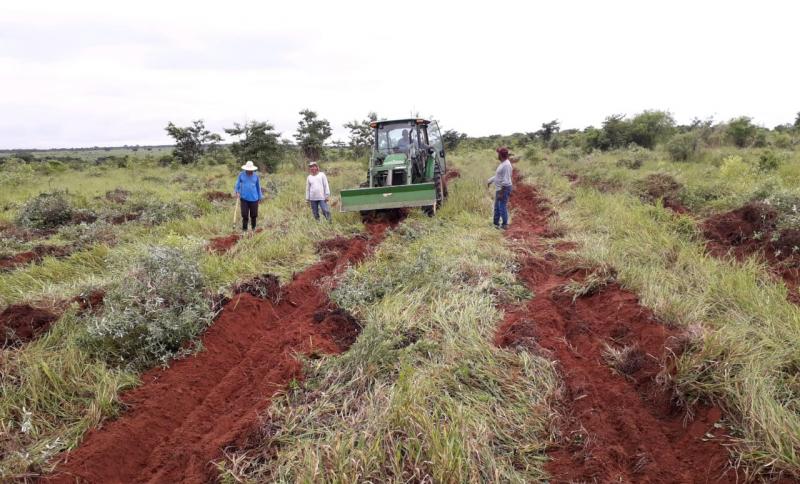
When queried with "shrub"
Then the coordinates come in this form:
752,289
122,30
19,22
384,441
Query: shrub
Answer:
768,161
741,131
634,158
159,213
86,235
734,167
47,210
682,147
150,314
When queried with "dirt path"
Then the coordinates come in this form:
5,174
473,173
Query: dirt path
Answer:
620,425
181,418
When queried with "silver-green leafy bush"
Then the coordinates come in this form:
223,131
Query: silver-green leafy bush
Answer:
46,210
150,315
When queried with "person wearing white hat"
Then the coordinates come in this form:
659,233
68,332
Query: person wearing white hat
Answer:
248,189
318,192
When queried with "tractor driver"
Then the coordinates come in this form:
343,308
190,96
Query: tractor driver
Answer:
405,142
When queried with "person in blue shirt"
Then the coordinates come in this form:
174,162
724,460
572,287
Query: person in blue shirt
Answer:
248,189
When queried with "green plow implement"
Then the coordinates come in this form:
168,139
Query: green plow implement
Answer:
398,196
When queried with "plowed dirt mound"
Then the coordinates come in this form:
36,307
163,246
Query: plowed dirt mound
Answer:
20,323
35,255
451,174
220,245
621,425
182,417
91,300
217,196
751,230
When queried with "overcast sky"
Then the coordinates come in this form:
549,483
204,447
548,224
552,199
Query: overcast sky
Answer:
85,73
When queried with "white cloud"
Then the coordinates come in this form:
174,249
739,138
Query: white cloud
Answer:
94,73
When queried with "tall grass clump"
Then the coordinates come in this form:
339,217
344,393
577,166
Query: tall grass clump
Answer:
52,392
152,312
748,355
423,394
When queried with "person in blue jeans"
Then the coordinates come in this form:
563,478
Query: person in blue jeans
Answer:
502,184
248,189
318,192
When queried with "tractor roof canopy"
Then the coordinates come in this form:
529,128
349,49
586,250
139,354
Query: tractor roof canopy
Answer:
409,121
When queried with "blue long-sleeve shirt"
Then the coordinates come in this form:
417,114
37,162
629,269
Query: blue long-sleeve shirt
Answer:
248,187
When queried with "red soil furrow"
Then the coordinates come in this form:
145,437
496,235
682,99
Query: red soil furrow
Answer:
181,418
621,425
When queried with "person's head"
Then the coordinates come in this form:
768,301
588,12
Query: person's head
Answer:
502,153
249,168
405,134
313,168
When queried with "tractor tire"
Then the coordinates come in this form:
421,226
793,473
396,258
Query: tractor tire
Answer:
441,192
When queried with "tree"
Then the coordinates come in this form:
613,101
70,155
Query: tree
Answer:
258,141
312,133
548,130
616,132
361,135
451,138
797,122
651,127
742,131
192,142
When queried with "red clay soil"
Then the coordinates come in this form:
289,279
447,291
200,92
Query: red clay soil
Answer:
35,255
182,417
620,425
217,196
220,245
20,323
90,301
451,173
750,230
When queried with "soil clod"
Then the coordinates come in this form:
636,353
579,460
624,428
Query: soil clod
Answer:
21,323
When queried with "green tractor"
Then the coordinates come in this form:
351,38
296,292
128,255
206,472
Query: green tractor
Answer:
406,169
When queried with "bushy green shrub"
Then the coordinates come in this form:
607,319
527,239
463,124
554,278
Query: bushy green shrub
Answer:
159,213
683,147
46,210
741,131
86,235
768,161
787,205
152,312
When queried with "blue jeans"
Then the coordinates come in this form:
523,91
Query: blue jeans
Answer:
501,205
316,205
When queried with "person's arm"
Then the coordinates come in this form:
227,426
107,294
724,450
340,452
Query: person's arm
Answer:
308,188
258,189
238,186
326,187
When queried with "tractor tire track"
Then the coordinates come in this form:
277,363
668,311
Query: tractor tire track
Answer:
181,418
620,424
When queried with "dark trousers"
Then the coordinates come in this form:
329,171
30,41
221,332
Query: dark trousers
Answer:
501,205
249,211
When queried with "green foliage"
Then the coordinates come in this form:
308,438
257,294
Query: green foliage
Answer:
261,144
548,130
683,146
768,160
650,127
150,314
741,131
312,133
452,138
192,141
361,135
47,210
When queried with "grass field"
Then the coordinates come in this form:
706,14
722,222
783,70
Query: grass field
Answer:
423,394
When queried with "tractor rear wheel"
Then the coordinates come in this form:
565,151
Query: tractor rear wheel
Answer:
441,191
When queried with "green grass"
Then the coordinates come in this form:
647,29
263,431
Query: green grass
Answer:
423,394
745,352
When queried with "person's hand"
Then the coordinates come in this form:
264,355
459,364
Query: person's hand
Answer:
327,199
236,194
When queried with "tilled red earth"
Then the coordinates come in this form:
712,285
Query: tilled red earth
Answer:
20,323
181,418
621,425
34,255
751,230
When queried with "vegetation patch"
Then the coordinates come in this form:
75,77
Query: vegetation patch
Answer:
150,315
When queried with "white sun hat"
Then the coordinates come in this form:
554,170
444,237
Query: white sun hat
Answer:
249,166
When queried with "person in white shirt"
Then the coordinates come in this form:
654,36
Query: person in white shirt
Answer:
318,193
502,184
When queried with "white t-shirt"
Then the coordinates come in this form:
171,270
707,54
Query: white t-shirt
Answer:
317,187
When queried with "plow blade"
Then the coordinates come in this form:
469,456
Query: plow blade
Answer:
399,196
